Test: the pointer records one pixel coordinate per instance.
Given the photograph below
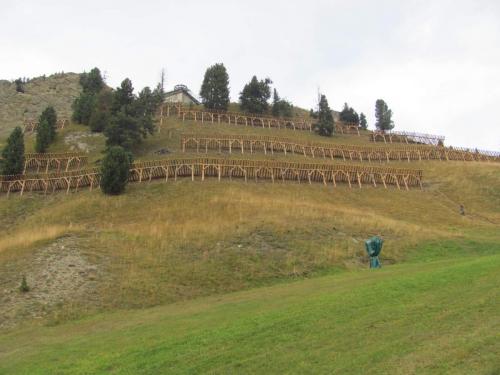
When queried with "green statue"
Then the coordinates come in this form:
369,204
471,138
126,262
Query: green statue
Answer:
373,248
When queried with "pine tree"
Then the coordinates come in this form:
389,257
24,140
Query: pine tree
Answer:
281,107
42,136
99,120
92,83
215,88
123,97
115,170
324,125
123,130
348,114
158,95
19,85
255,94
49,114
13,154
362,121
101,114
383,116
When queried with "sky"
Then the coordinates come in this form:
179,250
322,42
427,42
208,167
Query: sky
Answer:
436,63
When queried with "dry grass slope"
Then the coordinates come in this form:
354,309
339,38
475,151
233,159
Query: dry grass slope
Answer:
166,242
58,90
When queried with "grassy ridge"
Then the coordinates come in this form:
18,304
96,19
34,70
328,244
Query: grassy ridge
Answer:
433,317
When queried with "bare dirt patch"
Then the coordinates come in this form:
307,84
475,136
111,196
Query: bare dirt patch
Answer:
58,275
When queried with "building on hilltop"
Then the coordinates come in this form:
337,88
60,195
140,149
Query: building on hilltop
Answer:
181,94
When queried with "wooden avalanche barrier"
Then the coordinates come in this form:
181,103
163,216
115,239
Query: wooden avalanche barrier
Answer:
234,118
270,145
30,125
406,137
50,182
60,161
247,170
346,128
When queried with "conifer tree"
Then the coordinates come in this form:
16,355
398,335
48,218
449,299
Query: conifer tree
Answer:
383,116
92,83
123,130
281,107
325,124
19,85
49,114
101,115
13,154
348,114
123,97
115,170
362,121
42,136
255,94
215,88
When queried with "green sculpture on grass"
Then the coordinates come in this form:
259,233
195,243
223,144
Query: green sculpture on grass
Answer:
373,248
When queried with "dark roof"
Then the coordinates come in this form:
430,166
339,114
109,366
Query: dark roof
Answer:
183,89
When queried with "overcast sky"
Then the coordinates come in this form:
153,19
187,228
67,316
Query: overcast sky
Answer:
436,63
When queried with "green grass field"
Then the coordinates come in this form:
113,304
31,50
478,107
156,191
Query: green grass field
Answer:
432,317
234,277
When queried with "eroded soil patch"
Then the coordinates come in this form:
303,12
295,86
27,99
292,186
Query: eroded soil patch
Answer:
58,274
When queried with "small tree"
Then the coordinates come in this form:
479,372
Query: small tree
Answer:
255,94
42,136
281,107
348,114
101,115
82,108
115,170
123,97
13,153
383,116
215,88
19,85
324,126
49,114
92,83
99,120
362,121
24,287
123,130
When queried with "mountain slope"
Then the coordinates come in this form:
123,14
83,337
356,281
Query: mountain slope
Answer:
58,90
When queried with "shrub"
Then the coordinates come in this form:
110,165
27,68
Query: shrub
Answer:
115,170
24,287
13,153
42,136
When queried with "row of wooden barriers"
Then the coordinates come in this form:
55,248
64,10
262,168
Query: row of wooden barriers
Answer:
237,118
295,123
247,170
251,144
31,125
50,161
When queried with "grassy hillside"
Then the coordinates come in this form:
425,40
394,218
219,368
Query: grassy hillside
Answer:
58,90
297,250
435,317
161,243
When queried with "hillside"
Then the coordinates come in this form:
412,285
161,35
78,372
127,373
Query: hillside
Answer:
58,90
160,264
438,317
